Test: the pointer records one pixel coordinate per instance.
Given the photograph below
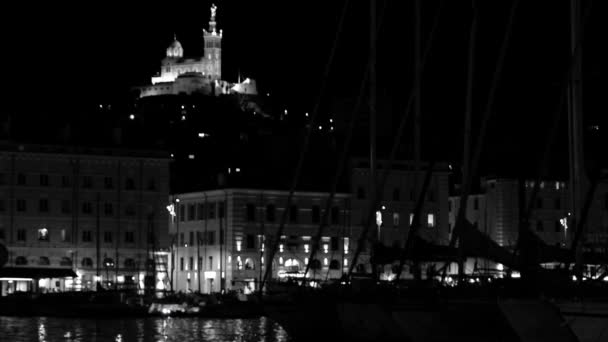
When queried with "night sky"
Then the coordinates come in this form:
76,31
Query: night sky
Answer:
69,57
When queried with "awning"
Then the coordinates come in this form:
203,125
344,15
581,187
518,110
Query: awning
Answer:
36,272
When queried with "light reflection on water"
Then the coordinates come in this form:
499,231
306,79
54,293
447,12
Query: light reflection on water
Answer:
51,329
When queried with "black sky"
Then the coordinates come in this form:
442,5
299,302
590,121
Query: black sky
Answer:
66,56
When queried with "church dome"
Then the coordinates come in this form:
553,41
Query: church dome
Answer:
175,49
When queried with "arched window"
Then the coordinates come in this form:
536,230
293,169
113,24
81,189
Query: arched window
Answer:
249,265
65,261
44,261
129,263
315,264
360,268
334,265
20,260
292,265
108,262
87,262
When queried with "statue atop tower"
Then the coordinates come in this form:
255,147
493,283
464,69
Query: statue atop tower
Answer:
212,19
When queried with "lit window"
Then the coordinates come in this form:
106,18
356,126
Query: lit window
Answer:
325,261
556,185
396,219
345,262
132,117
280,260
281,248
43,234
191,156
306,248
238,245
431,220
346,245
325,248
411,219
306,261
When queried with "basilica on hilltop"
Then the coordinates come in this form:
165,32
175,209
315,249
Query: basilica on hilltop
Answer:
201,75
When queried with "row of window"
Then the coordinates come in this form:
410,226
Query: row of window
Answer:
202,238
294,215
87,182
43,234
201,211
557,203
65,261
396,195
66,207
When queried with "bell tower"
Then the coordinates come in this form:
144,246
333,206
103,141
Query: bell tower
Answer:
212,57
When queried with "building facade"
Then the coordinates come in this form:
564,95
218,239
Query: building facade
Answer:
97,212
221,239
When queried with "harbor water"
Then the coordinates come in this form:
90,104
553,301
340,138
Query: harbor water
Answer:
52,329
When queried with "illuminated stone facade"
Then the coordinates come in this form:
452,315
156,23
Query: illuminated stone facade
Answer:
203,75
230,232
83,209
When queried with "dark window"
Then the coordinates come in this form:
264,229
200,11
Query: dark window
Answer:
558,203
130,210
66,207
200,263
2,179
181,239
1,234
210,238
221,236
334,265
65,181
412,195
558,226
191,213
396,194
43,205
21,235
108,183
108,209
431,196
181,264
87,208
107,237
65,261
210,266
21,260
151,185
191,238
221,211
250,241
211,210
198,238
270,211
316,214
200,211
293,214
334,243
360,193
129,263
129,237
130,184
476,203
21,179
449,206
539,226
335,215
87,182
182,213
44,261
606,201
191,263
2,208
250,212
21,205
539,203
44,180
86,236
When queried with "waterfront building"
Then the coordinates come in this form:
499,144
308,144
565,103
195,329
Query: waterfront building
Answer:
71,217
221,238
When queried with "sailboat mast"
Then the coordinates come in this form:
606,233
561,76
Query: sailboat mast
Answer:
372,102
575,122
